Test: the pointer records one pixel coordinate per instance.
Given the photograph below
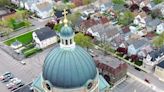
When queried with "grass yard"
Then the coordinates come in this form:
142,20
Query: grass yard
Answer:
24,39
31,52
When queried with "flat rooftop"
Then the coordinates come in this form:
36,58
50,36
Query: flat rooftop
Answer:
109,60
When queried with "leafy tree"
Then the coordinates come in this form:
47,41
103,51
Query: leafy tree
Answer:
158,41
65,1
4,2
74,17
85,2
58,27
83,40
126,18
120,2
157,1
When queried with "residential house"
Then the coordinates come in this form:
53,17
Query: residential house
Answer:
159,71
136,46
126,32
154,57
44,37
17,44
160,28
118,42
77,2
85,24
113,70
160,8
104,32
146,3
152,25
43,9
140,19
106,6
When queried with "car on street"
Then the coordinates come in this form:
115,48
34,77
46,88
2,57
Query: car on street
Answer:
23,62
146,80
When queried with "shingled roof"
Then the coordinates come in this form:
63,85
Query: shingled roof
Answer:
45,33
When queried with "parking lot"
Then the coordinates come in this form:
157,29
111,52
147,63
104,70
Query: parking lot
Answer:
131,85
27,73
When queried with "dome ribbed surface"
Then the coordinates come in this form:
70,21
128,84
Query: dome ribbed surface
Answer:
66,31
69,68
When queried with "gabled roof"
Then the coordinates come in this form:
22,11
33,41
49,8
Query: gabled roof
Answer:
88,23
45,6
161,64
111,31
154,22
45,33
139,43
154,55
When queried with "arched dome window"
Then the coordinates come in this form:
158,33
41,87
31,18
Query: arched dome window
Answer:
47,86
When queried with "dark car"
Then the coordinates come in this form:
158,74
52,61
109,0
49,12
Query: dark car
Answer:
17,86
146,80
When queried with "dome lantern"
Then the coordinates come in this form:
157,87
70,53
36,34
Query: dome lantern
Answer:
66,34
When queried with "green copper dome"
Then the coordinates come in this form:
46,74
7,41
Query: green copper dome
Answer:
66,31
69,68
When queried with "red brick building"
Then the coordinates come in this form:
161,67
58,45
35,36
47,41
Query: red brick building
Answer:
112,68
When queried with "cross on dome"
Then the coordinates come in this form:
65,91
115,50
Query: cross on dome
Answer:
65,17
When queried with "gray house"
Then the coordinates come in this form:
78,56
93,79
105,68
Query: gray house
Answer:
136,46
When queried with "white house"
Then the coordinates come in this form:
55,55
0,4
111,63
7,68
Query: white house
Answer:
44,37
160,28
43,9
154,57
104,32
140,20
16,44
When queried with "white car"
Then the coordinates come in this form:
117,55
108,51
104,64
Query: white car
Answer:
23,62
13,82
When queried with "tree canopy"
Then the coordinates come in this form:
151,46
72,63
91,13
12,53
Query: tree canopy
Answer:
126,18
159,40
120,2
4,2
157,1
83,40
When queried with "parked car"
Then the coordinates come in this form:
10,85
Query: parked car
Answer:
13,82
7,78
16,86
4,75
12,85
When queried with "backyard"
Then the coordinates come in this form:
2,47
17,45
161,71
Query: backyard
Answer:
28,46
24,39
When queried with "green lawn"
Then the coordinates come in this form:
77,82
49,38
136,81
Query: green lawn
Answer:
24,39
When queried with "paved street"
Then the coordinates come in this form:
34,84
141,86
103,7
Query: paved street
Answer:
131,85
154,82
24,72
